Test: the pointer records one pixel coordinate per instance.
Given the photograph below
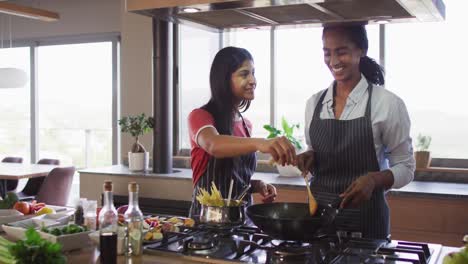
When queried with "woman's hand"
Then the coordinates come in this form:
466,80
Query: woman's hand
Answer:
267,191
280,148
358,192
361,189
305,162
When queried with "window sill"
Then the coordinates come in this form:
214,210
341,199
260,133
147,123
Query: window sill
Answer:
443,170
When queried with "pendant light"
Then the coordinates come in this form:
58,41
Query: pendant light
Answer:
11,77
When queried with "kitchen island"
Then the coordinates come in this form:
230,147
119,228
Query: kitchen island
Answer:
433,212
91,255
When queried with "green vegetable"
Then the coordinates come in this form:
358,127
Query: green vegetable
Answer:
66,230
36,250
5,256
56,232
9,201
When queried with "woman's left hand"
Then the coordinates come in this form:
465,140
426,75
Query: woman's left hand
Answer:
267,191
358,192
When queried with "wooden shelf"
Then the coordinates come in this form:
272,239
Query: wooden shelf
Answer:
443,169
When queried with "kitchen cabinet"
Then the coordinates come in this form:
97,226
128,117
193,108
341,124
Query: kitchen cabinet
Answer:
429,219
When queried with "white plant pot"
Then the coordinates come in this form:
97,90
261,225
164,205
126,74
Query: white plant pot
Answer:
288,171
138,161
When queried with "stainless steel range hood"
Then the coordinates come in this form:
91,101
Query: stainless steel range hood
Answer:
218,15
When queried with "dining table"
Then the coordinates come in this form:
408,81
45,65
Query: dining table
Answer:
17,171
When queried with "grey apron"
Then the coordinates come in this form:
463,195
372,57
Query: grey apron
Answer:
344,150
241,171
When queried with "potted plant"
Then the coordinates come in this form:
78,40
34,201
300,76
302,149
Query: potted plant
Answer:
138,157
422,154
287,131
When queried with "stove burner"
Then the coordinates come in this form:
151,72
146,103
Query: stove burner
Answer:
250,245
289,248
201,242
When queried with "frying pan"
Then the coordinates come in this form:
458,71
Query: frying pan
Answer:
292,221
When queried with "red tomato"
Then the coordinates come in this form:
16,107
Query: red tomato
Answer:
22,207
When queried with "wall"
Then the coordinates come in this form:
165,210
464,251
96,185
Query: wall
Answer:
136,69
76,17
102,16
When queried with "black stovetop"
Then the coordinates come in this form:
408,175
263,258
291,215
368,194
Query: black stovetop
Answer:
250,245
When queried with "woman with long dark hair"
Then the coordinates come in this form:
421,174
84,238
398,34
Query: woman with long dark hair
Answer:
222,146
358,135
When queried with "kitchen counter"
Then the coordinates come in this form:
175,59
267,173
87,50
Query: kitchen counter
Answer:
415,188
91,255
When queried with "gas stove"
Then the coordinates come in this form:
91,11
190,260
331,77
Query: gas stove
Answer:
249,245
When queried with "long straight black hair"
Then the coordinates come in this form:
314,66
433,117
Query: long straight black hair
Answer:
223,104
373,72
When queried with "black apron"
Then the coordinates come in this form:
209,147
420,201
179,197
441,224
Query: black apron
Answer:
242,169
344,150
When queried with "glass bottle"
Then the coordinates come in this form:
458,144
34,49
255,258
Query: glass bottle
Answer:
108,227
134,222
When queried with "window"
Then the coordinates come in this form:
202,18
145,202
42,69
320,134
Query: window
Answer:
197,51
15,108
75,103
425,67
255,41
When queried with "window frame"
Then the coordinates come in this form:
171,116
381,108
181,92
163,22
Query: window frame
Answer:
183,153
34,44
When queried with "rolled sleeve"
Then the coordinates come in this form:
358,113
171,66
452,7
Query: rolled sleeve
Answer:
399,148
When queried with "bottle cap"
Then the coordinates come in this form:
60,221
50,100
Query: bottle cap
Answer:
108,186
133,187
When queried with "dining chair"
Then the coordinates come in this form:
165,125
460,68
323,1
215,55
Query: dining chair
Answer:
33,185
12,184
56,187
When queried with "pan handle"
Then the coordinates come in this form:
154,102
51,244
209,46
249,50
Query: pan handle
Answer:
335,204
330,211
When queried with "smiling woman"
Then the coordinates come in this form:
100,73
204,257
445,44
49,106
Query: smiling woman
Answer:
357,134
223,151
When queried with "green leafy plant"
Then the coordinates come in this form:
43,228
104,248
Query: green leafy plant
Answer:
34,250
287,131
137,126
423,142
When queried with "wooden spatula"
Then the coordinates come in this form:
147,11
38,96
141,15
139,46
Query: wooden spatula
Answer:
312,201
